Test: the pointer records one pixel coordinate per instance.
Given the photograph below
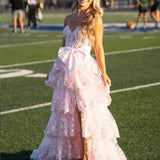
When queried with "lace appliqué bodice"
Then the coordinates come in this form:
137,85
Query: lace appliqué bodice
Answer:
75,38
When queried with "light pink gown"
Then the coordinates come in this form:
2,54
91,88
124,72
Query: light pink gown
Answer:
78,87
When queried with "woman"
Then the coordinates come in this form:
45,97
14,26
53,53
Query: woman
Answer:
143,9
81,126
155,7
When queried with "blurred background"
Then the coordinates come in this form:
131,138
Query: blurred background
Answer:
55,4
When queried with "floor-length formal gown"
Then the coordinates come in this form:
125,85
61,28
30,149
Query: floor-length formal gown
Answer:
78,88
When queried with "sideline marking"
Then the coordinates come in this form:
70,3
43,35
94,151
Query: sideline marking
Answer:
30,43
148,37
133,50
49,103
12,73
26,108
37,75
107,54
27,63
136,87
125,37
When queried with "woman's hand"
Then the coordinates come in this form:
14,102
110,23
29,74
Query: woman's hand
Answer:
106,79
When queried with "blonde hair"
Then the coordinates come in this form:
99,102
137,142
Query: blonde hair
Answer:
88,21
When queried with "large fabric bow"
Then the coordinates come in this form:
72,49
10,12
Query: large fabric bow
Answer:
73,57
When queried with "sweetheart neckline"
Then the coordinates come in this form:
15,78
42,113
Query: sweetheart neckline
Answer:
70,28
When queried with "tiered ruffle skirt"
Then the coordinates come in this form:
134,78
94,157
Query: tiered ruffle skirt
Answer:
78,89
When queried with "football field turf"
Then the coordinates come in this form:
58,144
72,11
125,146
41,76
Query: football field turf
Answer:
132,60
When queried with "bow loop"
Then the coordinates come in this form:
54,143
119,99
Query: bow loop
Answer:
73,57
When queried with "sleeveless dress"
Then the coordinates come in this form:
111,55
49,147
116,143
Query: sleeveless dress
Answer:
78,88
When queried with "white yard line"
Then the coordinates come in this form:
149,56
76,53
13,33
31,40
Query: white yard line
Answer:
49,103
26,108
136,87
26,64
133,50
107,54
28,44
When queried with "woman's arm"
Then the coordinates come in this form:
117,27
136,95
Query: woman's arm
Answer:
98,49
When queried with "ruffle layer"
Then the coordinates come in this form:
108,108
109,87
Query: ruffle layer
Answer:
58,148
102,148
79,71
64,101
63,125
64,119
74,69
79,88
65,148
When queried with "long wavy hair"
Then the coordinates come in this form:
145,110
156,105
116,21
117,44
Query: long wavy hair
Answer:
88,20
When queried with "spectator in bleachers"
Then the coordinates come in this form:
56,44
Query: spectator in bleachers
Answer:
32,6
155,11
143,11
17,12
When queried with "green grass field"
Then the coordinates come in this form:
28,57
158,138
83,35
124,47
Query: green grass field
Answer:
58,17
137,112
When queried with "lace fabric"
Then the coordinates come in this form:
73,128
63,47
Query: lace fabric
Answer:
75,38
78,87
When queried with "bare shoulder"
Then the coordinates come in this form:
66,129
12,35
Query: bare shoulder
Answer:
67,19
